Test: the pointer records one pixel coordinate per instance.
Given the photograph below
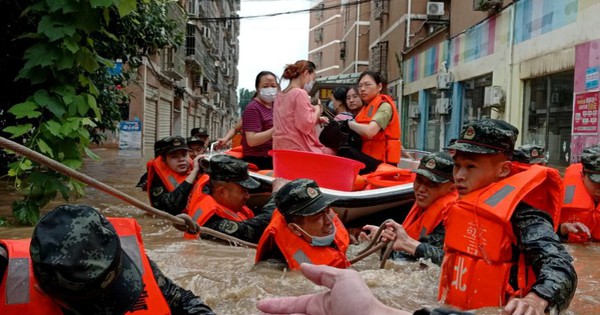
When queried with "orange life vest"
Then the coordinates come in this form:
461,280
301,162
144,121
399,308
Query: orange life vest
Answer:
387,175
385,145
19,296
419,222
169,178
201,207
296,250
578,205
479,239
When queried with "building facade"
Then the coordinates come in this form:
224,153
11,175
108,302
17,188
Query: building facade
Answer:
179,88
531,63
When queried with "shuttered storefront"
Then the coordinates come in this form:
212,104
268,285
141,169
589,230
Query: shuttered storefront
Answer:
149,123
184,119
164,118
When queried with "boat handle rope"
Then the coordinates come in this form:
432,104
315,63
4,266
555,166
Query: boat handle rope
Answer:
372,248
182,222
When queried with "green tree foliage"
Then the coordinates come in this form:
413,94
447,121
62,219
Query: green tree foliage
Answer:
70,47
245,97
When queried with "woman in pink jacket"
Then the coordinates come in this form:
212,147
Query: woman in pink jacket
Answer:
294,117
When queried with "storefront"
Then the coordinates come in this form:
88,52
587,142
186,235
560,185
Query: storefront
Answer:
547,114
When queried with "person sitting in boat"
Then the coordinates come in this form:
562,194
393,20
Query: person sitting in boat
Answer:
501,248
581,206
294,117
80,262
219,200
257,122
378,123
421,235
197,146
353,100
338,104
171,175
530,154
304,229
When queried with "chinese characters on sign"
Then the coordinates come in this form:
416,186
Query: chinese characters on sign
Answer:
585,113
130,135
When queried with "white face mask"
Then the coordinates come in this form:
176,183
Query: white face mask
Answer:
308,86
267,94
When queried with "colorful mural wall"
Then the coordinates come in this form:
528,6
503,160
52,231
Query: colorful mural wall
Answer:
537,17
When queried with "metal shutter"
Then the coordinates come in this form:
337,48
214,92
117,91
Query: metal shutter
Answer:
149,123
164,118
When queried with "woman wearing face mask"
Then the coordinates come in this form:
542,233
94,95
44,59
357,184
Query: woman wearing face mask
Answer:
257,122
294,117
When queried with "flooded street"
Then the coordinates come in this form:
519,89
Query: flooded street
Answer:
225,276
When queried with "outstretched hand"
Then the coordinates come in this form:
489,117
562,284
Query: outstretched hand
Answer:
348,294
531,304
577,228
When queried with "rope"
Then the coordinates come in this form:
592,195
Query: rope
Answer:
372,248
181,221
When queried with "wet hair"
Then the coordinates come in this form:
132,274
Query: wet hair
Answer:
377,77
295,70
259,76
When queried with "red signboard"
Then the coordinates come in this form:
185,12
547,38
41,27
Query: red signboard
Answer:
585,113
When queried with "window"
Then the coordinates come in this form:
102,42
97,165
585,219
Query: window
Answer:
547,115
192,7
319,35
190,40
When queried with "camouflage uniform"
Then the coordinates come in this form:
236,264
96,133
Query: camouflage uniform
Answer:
530,154
556,279
590,158
229,169
77,238
438,171
173,202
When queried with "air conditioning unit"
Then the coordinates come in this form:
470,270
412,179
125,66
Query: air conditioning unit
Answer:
435,8
442,106
444,80
413,111
486,5
493,96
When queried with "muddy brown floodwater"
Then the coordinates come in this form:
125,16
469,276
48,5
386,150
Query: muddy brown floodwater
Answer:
225,276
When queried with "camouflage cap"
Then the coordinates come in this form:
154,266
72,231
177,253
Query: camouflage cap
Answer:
195,139
226,168
199,131
77,259
530,154
590,158
437,167
486,136
301,197
169,144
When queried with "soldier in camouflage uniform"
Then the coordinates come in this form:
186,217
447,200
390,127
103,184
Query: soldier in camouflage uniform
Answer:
175,201
304,229
530,154
422,233
227,192
88,264
582,199
483,179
